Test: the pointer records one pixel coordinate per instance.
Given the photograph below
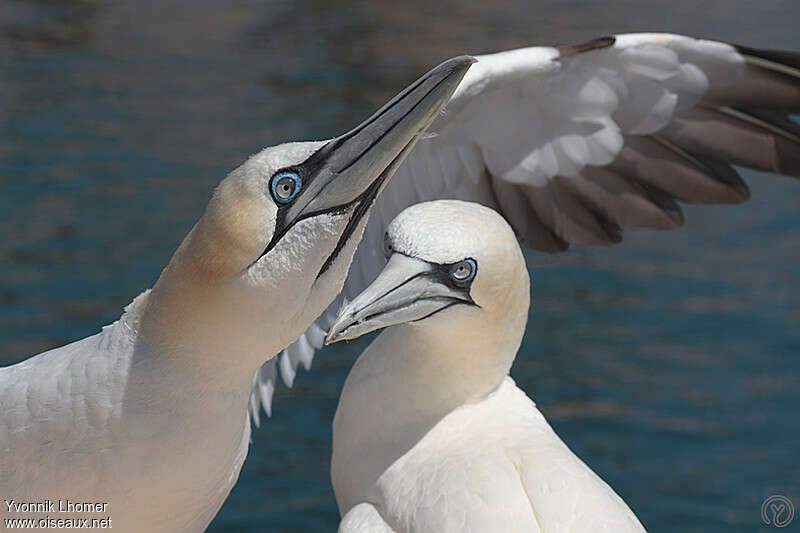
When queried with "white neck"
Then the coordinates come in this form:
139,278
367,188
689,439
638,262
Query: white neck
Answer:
197,343
412,376
213,318
202,322
147,426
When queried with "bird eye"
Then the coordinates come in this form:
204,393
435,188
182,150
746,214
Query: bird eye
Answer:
285,186
463,271
387,245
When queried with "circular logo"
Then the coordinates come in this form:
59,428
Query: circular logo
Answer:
777,510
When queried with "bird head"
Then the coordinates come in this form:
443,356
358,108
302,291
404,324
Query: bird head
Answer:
276,240
452,267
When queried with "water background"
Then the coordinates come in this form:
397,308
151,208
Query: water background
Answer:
670,363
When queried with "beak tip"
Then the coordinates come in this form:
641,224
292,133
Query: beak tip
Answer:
460,63
332,336
453,68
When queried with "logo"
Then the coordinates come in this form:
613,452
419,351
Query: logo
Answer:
777,511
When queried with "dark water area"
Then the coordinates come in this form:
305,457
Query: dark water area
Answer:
669,363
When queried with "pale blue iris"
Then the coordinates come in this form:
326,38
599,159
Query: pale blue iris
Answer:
285,186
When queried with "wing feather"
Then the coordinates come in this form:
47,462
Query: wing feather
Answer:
622,201
530,227
574,143
675,172
724,134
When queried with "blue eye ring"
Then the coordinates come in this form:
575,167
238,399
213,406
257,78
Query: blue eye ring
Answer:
464,271
285,186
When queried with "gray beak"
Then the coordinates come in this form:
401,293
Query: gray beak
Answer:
407,290
353,168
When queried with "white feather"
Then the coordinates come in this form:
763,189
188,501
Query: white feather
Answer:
526,116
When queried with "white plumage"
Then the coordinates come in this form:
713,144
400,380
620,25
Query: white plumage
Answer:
493,465
524,134
574,143
431,435
79,423
150,416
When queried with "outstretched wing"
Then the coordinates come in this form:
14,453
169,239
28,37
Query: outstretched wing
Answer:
574,143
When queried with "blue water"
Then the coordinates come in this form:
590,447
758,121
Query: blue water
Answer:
670,363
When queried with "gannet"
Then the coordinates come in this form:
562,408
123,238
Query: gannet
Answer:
149,417
431,434
573,143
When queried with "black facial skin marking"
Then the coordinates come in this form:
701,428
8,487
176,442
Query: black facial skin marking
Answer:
308,171
441,274
311,168
364,203
448,306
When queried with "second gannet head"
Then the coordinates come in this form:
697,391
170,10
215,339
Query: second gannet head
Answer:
453,298
455,272
274,245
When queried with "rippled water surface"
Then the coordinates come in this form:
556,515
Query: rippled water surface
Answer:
670,363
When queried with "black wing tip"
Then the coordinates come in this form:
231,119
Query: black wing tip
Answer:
787,58
566,50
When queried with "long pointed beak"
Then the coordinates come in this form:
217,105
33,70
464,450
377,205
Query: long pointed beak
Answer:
361,155
354,167
407,290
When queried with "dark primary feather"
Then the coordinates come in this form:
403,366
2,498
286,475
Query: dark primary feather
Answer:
746,124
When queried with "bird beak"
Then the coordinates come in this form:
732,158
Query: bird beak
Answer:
407,290
352,169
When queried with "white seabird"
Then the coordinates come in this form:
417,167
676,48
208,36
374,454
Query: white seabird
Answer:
431,434
150,415
571,144
527,134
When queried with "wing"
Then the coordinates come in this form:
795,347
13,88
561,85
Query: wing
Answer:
574,143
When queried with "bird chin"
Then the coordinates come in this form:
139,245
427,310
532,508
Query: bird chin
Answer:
309,264
332,276
289,269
